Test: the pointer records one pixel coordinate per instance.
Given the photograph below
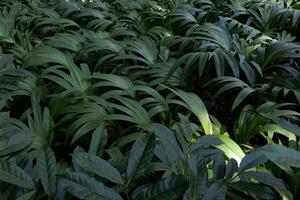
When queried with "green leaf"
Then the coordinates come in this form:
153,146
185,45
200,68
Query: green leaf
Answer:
43,54
127,139
5,59
167,188
13,174
27,196
98,141
185,127
285,124
230,148
196,106
111,80
255,190
198,178
140,156
278,51
217,191
231,169
94,164
46,166
169,145
145,48
14,142
134,111
252,159
269,180
88,188
281,155
241,96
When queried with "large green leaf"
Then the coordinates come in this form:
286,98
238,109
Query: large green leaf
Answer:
168,188
11,173
269,180
98,141
88,188
255,190
44,54
217,191
46,165
281,155
196,106
95,164
230,148
140,156
169,145
198,179
278,51
14,142
134,112
252,159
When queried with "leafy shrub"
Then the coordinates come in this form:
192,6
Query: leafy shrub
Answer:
127,99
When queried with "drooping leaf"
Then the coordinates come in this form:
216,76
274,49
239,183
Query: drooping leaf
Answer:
230,148
196,106
44,54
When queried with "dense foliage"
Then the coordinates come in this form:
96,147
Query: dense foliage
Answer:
149,99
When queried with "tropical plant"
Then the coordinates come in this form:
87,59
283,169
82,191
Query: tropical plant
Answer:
137,99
